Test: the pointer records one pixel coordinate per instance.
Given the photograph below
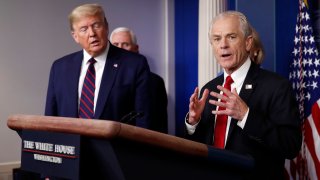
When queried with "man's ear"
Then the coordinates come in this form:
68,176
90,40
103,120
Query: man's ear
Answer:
137,48
75,36
249,42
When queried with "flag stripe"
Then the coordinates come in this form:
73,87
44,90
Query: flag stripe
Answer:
316,116
311,148
311,167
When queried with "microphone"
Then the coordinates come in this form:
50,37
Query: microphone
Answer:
133,115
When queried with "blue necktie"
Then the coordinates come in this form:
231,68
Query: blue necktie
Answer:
86,107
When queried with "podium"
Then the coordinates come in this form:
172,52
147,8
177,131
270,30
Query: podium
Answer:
113,150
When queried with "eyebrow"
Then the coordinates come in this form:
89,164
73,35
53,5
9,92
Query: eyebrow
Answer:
219,35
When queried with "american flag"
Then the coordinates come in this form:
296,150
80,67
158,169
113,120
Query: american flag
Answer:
304,75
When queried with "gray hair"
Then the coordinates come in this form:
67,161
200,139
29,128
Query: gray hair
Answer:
124,29
86,10
245,26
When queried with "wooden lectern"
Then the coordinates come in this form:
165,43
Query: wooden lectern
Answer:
113,150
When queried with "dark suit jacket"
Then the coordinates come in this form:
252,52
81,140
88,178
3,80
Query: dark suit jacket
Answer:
159,102
124,88
272,131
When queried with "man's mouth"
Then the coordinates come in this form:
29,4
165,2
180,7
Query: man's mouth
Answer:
96,42
225,55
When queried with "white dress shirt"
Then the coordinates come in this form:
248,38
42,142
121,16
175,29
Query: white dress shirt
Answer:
99,67
238,77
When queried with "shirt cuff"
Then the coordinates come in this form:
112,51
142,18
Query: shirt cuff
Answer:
190,128
242,123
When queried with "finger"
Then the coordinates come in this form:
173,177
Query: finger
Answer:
194,96
226,91
234,91
218,103
219,96
196,91
205,95
220,112
191,105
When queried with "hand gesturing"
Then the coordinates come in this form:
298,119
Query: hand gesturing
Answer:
196,105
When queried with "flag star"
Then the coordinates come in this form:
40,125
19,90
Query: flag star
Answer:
307,16
298,74
310,62
311,39
295,51
304,62
304,74
317,62
315,73
305,51
303,85
316,51
294,74
306,40
296,40
305,28
314,84
308,96
310,50
295,62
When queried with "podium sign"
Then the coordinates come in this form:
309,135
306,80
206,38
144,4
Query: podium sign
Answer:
117,151
51,154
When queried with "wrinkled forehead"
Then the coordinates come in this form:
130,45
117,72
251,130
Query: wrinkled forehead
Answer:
226,25
121,36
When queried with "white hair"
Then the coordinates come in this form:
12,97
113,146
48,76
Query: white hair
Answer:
245,26
125,29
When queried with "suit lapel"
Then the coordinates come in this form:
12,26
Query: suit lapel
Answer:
109,75
73,82
248,87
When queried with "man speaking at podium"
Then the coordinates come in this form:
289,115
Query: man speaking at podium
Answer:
250,110
99,82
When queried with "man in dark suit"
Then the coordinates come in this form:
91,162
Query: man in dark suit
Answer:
121,77
123,37
261,116
121,86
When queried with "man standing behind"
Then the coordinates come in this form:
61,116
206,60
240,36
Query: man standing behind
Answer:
124,38
250,110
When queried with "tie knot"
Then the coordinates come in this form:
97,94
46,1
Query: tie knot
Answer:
92,61
229,80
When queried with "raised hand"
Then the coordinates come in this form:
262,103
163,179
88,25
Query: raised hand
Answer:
235,106
196,105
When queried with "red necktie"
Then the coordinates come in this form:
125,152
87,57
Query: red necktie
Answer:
86,107
221,121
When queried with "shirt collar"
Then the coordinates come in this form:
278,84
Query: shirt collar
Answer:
239,75
102,57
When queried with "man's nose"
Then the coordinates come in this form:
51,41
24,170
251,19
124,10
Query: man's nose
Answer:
121,45
224,43
91,31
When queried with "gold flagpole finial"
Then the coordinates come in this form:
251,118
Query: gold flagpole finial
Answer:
306,3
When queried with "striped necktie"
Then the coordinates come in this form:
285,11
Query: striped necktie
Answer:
86,107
